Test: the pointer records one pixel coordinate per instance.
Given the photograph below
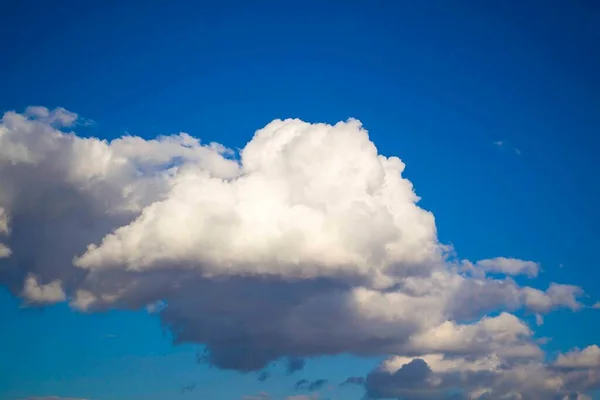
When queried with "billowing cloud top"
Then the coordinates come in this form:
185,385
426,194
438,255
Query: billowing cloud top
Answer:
306,242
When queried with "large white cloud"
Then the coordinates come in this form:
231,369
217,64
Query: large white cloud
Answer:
307,242
307,201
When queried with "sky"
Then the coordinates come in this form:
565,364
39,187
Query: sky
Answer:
299,200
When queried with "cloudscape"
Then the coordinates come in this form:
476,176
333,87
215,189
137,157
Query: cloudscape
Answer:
294,260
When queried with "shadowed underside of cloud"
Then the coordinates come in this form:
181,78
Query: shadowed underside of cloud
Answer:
438,376
308,242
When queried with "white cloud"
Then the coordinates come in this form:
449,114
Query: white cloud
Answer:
509,266
596,305
310,243
58,117
586,358
504,335
35,292
4,251
4,231
291,211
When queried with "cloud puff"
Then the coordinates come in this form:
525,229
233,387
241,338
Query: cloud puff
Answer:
292,211
307,242
509,266
58,117
49,293
586,358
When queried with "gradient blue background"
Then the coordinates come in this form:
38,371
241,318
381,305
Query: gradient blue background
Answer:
435,83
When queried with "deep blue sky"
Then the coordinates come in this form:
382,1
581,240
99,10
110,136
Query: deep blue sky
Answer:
435,83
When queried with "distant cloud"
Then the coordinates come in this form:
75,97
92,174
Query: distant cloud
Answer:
294,364
188,388
586,358
4,251
597,305
311,386
109,336
301,384
502,144
353,380
58,117
510,266
263,376
316,384
488,377
37,293
155,307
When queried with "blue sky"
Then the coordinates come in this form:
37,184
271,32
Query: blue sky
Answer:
435,83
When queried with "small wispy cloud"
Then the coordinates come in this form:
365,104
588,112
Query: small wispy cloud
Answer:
503,144
188,388
263,376
353,380
311,386
596,306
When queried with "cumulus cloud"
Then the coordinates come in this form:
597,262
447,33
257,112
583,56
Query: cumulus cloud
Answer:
290,212
509,266
307,242
557,294
34,292
505,335
435,376
586,358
